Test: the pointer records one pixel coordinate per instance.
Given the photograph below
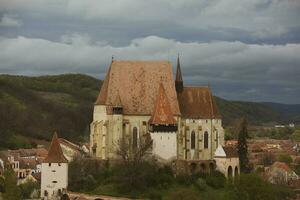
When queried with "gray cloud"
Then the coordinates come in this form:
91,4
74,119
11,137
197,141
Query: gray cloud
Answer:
10,21
236,70
247,50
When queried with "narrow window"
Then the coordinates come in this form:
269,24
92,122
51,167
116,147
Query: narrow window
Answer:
135,138
217,138
49,164
193,140
206,140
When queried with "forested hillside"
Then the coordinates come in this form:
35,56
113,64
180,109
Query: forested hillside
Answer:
35,107
38,106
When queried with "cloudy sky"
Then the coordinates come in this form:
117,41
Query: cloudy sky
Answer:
247,49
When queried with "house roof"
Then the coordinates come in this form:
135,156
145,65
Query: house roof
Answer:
230,151
69,144
55,154
281,165
137,83
162,113
197,103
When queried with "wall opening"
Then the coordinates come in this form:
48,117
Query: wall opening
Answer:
205,140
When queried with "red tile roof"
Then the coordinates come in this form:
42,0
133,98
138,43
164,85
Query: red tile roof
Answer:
231,152
137,83
55,154
198,103
162,114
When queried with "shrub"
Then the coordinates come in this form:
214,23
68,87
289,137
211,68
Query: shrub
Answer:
27,189
216,180
285,158
183,194
200,184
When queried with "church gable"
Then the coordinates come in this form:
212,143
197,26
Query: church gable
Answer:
162,114
137,84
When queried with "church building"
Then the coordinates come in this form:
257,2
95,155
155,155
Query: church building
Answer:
142,98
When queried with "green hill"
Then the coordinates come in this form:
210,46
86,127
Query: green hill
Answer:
38,106
35,107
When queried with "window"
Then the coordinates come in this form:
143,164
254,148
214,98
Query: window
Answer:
193,140
59,164
135,138
205,140
49,164
54,181
217,138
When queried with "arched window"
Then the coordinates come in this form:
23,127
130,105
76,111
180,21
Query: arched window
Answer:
229,172
236,171
134,138
217,138
205,140
193,140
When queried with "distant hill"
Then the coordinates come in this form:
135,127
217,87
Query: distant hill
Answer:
37,106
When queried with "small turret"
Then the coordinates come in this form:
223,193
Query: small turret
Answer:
178,80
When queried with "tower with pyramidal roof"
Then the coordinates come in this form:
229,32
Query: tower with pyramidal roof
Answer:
54,177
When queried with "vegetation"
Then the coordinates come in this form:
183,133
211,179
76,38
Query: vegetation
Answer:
285,158
11,190
158,182
242,147
35,107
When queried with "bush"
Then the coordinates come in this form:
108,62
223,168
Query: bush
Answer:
200,184
285,158
251,186
216,180
183,194
27,189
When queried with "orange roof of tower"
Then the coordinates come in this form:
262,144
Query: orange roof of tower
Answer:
55,154
162,114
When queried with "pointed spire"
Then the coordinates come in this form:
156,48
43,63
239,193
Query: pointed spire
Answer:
55,154
178,80
162,114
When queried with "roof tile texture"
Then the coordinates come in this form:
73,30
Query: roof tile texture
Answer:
137,83
162,114
55,154
197,103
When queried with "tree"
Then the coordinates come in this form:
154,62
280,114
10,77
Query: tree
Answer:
285,158
242,132
11,190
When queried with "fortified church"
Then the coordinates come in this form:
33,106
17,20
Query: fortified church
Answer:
141,99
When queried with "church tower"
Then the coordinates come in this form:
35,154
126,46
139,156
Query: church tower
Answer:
178,80
163,128
54,176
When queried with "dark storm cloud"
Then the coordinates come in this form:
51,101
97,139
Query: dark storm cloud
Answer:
247,50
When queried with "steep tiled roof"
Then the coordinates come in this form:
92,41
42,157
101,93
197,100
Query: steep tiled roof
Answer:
281,165
197,103
55,154
137,84
162,113
230,152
